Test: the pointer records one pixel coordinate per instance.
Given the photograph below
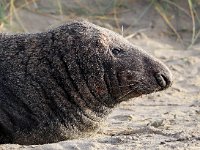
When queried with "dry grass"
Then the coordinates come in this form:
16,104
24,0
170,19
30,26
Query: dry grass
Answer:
190,11
104,10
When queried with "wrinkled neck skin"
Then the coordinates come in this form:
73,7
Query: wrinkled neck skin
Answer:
75,102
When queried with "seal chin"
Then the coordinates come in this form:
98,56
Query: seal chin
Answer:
128,96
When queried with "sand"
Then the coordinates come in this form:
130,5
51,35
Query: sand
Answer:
166,120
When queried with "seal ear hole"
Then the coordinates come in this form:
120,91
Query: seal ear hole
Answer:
129,77
117,51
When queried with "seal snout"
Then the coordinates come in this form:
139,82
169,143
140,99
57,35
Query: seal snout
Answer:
163,80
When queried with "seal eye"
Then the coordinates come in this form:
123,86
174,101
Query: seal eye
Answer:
117,52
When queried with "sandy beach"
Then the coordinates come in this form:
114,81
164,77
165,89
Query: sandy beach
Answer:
165,120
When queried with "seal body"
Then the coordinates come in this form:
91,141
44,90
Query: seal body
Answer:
61,84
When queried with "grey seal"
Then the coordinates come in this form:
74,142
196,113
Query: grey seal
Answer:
62,83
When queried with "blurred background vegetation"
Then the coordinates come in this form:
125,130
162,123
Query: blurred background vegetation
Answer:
177,20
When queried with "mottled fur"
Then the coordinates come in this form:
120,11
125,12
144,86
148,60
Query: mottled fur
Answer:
61,84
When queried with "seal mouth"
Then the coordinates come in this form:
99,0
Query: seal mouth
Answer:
162,81
128,95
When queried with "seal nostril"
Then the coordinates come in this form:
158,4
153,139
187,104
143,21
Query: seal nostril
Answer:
162,80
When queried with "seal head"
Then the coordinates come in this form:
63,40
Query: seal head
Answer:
126,70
